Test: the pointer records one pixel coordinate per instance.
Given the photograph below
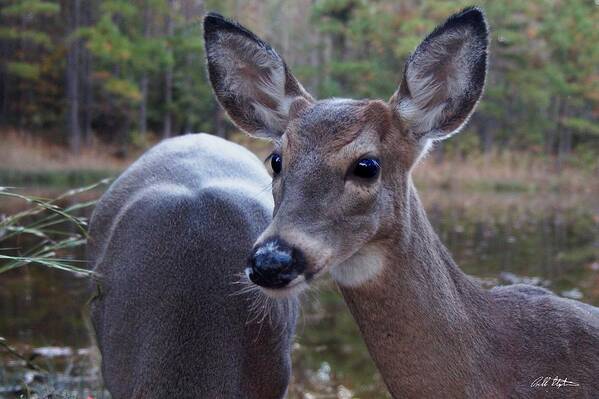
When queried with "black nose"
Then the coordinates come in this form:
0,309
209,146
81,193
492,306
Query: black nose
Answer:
274,263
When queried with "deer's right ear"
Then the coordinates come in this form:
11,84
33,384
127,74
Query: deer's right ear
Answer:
251,81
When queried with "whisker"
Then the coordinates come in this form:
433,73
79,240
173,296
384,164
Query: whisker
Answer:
263,309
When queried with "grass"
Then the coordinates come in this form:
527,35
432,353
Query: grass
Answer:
48,230
28,161
506,172
24,152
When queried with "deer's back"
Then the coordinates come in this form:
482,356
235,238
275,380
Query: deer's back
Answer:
169,239
542,335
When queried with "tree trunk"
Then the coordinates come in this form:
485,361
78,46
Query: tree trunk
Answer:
485,135
123,145
320,64
88,98
564,134
168,78
86,80
219,121
192,9
551,134
73,126
21,48
143,115
3,86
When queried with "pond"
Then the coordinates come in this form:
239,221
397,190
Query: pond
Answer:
546,239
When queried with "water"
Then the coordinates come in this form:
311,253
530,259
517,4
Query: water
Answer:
549,239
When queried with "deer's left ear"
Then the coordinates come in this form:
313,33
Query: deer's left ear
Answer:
444,77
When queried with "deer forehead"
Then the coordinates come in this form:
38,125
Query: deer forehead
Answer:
338,128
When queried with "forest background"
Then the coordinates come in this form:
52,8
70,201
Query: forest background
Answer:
86,85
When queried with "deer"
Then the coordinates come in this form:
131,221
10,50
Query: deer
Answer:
168,241
345,204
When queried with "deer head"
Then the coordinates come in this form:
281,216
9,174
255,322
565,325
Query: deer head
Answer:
341,167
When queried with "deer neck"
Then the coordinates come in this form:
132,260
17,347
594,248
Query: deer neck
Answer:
422,318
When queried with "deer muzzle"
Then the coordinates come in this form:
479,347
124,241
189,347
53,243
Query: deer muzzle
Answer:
275,264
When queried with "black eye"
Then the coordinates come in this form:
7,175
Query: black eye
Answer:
276,163
367,168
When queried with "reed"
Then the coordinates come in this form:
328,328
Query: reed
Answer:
44,233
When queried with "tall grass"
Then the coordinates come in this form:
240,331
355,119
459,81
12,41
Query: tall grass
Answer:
26,153
42,233
506,172
27,161
51,232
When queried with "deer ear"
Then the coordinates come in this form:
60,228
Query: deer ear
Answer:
250,80
444,77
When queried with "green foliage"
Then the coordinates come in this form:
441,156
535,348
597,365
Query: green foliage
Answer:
38,38
543,78
124,88
114,48
23,70
542,90
582,126
193,96
125,53
107,42
31,7
27,45
125,9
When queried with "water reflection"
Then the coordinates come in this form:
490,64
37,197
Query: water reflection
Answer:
551,240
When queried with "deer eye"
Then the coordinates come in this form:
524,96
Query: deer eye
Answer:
276,163
367,168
